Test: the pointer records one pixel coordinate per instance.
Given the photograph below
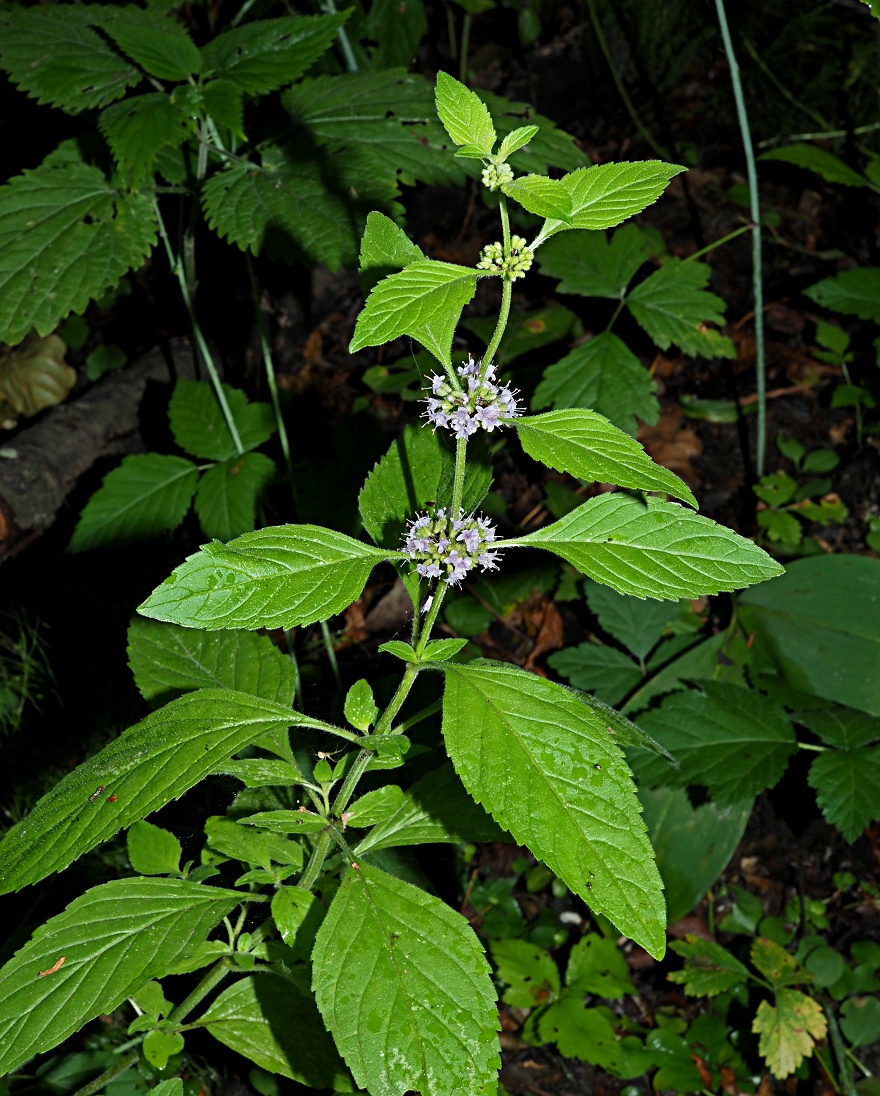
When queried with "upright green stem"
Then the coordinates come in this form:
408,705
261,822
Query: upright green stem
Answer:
269,366
109,1075
465,47
183,282
319,855
331,654
503,316
351,64
755,208
431,618
450,30
212,979
291,651
458,480
717,243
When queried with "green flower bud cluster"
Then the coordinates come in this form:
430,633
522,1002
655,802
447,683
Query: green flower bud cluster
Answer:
496,175
520,260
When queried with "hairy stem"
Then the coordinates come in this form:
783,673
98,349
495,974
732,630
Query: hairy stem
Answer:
331,653
212,979
268,365
431,618
109,1075
755,208
503,316
458,481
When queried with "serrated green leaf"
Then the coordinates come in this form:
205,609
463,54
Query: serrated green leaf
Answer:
149,764
560,787
605,375
542,196
778,966
653,549
157,42
732,741
200,429
249,845
282,205
253,1016
589,447
789,1031
844,728
606,194
227,495
411,1006
583,1033
66,237
831,168
424,300
397,26
531,975
152,850
847,785
224,104
709,969
270,53
853,292
385,249
168,661
374,807
112,940
54,55
261,772
589,264
516,139
673,307
139,127
273,578
436,808
414,474
549,147
464,115
596,965
638,625
604,671
148,494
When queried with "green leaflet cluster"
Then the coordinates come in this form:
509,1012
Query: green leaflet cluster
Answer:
398,978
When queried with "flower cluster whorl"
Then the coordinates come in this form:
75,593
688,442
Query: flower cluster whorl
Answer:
513,267
480,403
449,547
496,175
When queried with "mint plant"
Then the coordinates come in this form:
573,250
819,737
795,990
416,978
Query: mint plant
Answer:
326,937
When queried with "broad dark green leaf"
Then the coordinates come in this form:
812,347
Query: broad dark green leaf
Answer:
596,965
847,785
150,764
672,305
224,104
709,969
112,940
464,115
653,549
831,168
542,196
589,264
199,428
543,764
415,473
844,728
397,26
605,672
270,53
589,447
435,809
53,53
403,984
529,971
638,625
156,41
853,292
605,375
385,249
168,661
819,627
273,1021
733,741
139,127
66,237
148,494
273,578
702,661
227,495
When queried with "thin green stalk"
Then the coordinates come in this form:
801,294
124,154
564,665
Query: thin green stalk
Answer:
431,618
419,717
450,30
810,746
757,278
717,243
109,1075
503,316
780,87
291,653
826,1069
818,136
458,480
618,82
396,702
331,654
177,268
319,855
351,64
616,313
844,1069
465,46
212,979
269,366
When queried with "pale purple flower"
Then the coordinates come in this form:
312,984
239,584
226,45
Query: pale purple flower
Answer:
448,548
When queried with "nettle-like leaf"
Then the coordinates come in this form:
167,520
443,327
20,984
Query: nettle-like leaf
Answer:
831,168
200,429
516,139
148,765
853,292
168,661
224,103
423,300
155,40
605,375
545,767
403,984
152,850
653,549
530,973
253,1017
227,495
604,671
139,127
709,969
397,26
789,1030
54,54
596,965
100,950
604,195
385,249
542,196
673,307
416,473
273,578
589,264
148,494
66,237
730,740
464,115
638,625
270,53
589,447
847,785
